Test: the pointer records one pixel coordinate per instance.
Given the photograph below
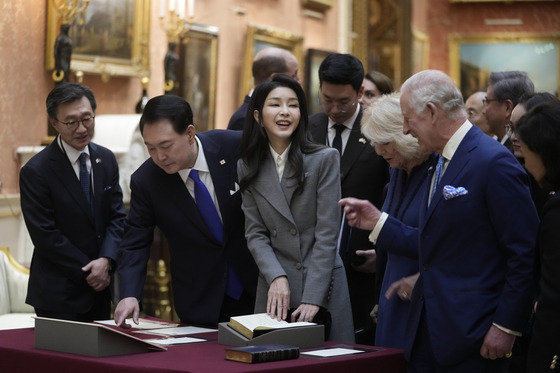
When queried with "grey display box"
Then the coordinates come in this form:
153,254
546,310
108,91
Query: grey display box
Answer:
302,337
90,339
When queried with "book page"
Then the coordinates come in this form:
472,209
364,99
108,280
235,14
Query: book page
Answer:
182,330
263,320
332,352
144,324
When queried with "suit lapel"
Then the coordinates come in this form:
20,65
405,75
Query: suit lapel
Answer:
268,186
288,183
97,166
61,167
319,128
354,148
460,159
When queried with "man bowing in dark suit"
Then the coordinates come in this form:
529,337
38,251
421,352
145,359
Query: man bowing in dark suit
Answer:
188,188
72,206
362,173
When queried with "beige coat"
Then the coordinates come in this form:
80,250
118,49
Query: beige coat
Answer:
295,234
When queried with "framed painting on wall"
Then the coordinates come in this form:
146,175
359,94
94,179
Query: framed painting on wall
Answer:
197,75
110,39
258,38
312,63
472,58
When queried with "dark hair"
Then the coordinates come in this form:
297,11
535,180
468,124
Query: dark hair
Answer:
268,65
68,92
254,142
532,100
381,81
339,68
510,85
539,130
171,107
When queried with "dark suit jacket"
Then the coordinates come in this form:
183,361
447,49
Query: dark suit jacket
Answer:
363,174
475,251
198,261
237,120
545,338
65,233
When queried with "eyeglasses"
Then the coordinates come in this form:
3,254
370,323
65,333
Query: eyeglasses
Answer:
509,127
343,107
72,125
487,100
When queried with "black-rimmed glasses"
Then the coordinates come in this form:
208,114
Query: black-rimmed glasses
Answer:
72,125
344,107
487,100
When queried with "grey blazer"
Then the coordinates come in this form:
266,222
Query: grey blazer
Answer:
295,234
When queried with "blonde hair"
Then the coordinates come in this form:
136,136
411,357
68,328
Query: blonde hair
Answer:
382,123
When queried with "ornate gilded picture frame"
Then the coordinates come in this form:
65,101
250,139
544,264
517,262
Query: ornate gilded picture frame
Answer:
258,38
197,73
313,60
494,1
111,39
473,57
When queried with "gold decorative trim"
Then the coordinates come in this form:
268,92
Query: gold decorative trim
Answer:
14,262
259,37
139,63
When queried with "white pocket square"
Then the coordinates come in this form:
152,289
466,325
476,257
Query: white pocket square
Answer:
452,192
232,192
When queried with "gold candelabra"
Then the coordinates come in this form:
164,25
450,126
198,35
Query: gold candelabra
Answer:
69,10
176,27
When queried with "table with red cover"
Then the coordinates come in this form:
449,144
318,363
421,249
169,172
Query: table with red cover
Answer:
18,354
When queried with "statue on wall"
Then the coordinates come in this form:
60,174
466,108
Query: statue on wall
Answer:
170,64
62,55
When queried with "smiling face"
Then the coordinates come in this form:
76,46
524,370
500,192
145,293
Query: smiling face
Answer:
280,117
416,125
168,149
80,136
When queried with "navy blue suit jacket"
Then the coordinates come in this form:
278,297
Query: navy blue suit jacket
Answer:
237,120
475,251
65,232
198,261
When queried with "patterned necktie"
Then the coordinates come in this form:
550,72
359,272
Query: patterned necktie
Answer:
209,213
439,169
337,142
85,179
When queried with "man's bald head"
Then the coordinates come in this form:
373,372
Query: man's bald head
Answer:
270,61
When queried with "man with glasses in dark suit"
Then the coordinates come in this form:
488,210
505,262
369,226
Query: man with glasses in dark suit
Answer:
72,205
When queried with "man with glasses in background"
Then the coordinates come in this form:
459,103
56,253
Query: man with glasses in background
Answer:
362,173
505,89
72,205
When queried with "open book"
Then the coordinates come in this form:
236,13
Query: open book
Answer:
254,325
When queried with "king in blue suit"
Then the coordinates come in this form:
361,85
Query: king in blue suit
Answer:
203,269
474,243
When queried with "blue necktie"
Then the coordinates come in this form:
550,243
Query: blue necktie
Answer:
85,179
337,142
439,169
207,209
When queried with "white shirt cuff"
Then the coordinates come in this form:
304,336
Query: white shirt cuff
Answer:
377,229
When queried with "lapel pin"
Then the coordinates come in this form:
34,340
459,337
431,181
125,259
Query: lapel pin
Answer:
223,162
362,140
97,160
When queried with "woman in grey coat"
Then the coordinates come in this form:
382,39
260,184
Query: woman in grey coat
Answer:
290,188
